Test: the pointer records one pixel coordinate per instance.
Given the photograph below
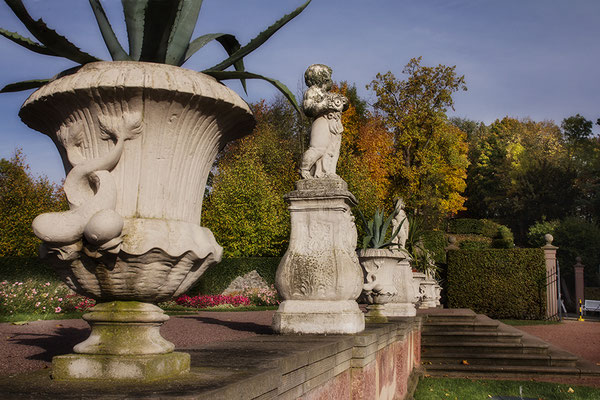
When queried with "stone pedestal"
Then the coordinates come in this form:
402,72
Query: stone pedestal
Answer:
125,343
319,276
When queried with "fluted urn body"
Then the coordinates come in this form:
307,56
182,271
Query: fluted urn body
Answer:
137,141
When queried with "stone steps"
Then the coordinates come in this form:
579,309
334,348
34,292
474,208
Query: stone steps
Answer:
462,343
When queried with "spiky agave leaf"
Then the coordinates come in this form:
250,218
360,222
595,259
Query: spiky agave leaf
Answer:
159,30
27,43
24,85
112,43
48,37
134,12
229,43
224,75
181,31
259,40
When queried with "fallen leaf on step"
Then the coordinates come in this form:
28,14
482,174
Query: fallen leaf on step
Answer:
20,323
465,362
58,325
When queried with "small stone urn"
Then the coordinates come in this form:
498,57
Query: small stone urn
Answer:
430,293
137,141
387,273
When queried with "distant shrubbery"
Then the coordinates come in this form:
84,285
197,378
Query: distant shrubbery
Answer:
501,283
480,234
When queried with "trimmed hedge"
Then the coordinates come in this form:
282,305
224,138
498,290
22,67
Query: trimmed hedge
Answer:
501,283
501,235
436,242
218,277
22,268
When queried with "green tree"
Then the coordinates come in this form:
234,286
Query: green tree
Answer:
430,154
244,205
22,198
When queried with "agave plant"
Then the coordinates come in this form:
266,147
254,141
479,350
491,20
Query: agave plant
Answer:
158,31
376,230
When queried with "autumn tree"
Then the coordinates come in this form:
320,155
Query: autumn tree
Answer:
22,198
364,153
430,154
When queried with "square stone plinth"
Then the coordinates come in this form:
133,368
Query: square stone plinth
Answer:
318,317
105,367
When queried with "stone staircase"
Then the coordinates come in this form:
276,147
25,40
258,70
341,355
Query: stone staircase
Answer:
458,342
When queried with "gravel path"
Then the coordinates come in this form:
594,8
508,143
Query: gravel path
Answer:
31,346
579,338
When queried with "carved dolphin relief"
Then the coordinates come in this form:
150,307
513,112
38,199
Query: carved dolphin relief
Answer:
90,189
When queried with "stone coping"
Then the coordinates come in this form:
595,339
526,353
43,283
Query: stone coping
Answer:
260,367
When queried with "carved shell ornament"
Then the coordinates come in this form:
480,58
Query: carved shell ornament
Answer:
90,190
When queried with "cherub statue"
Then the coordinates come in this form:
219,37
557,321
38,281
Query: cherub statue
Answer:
400,220
326,108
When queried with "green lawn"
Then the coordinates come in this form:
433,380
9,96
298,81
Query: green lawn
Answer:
470,389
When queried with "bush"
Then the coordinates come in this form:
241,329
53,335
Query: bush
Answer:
576,237
504,238
473,245
218,277
483,227
22,198
535,235
508,284
435,242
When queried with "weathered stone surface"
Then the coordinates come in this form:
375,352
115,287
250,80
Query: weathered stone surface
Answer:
325,107
318,316
125,328
250,280
255,368
109,367
137,141
389,286
319,275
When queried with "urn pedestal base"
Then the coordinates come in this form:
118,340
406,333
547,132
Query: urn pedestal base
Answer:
318,317
125,343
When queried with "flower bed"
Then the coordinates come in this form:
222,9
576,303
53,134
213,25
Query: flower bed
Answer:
34,297
211,301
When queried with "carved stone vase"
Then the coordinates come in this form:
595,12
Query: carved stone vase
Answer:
137,141
319,276
389,287
379,268
430,293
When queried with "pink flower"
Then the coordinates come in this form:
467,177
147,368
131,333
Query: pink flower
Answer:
57,309
37,304
60,299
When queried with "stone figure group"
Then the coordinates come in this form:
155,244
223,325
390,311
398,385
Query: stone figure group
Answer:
326,108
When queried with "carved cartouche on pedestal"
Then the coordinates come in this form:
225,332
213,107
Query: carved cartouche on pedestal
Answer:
137,141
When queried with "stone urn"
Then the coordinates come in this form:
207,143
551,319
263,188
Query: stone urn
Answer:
137,142
388,286
419,278
429,288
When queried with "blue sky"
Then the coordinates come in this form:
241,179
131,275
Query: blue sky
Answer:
521,58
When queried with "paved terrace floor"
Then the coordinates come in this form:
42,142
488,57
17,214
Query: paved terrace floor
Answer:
31,346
